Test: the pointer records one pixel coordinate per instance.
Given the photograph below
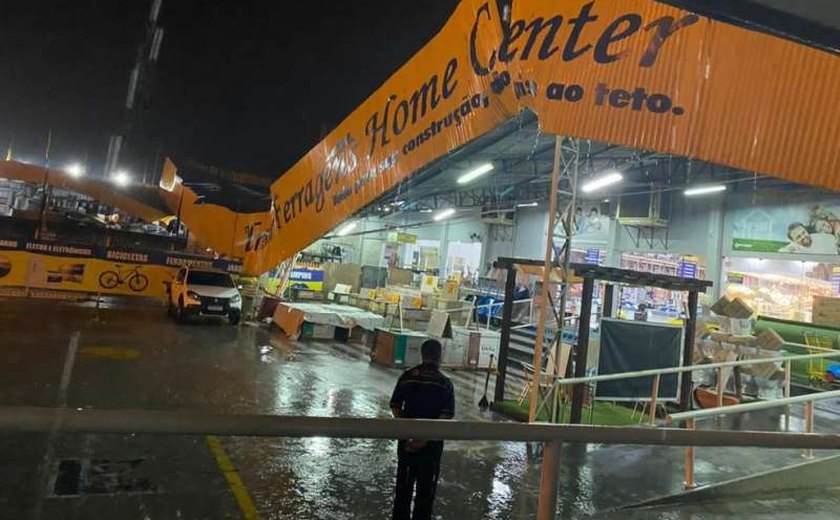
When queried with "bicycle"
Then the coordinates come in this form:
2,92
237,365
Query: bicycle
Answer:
132,277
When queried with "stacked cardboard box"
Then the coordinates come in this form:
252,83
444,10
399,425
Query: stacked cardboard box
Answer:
826,311
730,308
769,339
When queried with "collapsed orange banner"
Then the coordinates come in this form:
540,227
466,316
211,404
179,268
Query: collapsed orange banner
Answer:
635,73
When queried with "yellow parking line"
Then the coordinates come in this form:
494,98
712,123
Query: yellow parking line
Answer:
234,480
117,353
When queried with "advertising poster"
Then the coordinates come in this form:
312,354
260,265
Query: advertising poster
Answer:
57,266
799,228
94,276
588,226
306,278
13,268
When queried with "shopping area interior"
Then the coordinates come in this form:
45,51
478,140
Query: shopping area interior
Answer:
413,239
421,261
433,243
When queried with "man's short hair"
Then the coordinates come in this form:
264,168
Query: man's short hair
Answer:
795,225
431,350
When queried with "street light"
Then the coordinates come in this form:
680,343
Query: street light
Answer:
602,182
475,173
704,190
347,229
75,170
444,214
122,178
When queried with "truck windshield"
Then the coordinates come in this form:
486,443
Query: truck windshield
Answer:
209,278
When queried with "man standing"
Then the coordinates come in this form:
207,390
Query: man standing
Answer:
422,392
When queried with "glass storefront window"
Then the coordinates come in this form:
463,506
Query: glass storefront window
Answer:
782,289
584,256
661,305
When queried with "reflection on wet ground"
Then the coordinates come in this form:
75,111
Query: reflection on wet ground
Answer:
213,367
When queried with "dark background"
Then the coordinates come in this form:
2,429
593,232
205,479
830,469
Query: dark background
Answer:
247,85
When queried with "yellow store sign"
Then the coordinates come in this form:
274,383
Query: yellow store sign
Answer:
636,73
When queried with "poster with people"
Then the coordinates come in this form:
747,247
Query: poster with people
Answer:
588,225
802,228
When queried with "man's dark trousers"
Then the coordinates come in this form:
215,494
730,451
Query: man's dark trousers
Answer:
420,468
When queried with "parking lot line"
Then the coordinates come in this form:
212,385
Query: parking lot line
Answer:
233,478
115,353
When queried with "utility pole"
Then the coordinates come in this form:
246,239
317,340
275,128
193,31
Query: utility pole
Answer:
139,86
45,198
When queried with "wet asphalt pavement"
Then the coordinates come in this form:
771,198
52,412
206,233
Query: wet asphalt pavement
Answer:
137,358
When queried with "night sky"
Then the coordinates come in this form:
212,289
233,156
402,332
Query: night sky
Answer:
247,85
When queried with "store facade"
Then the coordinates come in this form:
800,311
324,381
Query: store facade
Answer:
777,252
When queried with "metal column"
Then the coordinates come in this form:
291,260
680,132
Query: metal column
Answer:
582,349
504,341
688,349
547,504
548,267
609,300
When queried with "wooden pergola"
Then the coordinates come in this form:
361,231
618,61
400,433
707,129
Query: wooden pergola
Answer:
589,274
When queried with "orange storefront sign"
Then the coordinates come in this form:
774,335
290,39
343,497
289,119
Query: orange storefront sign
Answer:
636,73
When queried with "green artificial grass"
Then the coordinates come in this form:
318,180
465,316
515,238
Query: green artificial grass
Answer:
606,414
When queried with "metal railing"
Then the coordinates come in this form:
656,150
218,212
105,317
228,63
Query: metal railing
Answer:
691,417
54,420
489,306
659,372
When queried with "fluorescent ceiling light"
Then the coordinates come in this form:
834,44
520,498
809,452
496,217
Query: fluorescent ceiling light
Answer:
426,210
528,205
602,182
703,190
75,170
350,226
445,214
475,173
121,179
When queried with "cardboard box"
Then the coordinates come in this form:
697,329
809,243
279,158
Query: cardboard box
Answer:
722,337
739,309
428,284
826,311
451,290
742,340
454,353
397,349
720,306
478,344
339,297
736,308
316,331
769,339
